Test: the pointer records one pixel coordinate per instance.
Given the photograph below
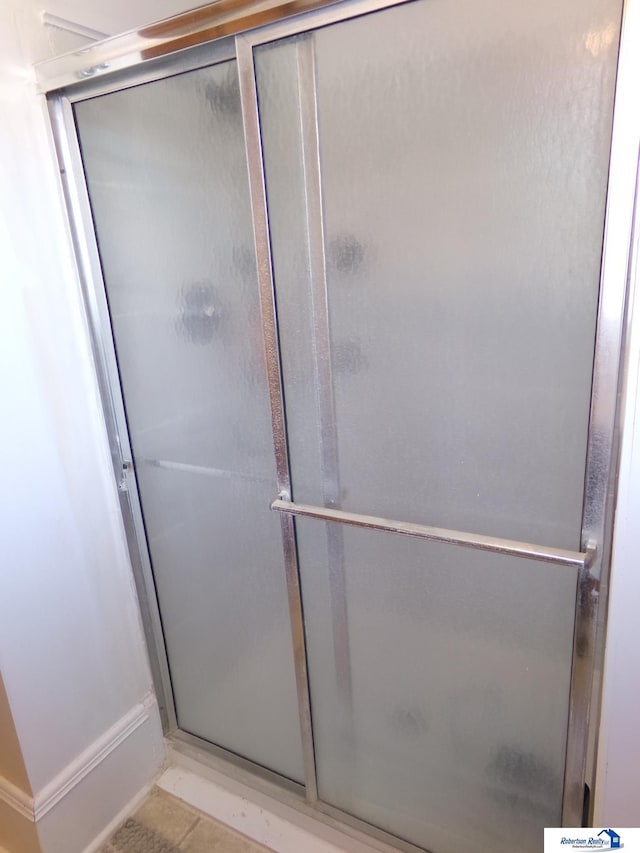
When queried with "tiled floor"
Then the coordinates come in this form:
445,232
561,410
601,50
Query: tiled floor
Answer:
164,824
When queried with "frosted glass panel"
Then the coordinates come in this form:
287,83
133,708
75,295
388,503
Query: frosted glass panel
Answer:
443,377
453,735
168,185
464,153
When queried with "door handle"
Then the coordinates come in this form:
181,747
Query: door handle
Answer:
494,544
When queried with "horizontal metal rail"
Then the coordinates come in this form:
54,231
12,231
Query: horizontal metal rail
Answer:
512,547
188,468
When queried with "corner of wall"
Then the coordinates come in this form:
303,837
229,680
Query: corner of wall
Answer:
79,808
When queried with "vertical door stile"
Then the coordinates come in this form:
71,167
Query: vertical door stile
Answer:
325,402
251,121
602,447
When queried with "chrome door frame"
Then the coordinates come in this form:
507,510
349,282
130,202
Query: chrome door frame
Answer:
154,53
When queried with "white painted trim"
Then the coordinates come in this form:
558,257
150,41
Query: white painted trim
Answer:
16,799
59,23
88,760
35,808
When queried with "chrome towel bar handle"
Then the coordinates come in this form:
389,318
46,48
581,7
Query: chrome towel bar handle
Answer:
511,547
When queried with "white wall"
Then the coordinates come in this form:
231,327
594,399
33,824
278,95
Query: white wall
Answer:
72,654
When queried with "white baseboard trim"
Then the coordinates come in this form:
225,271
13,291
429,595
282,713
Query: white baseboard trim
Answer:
35,808
88,760
16,799
103,785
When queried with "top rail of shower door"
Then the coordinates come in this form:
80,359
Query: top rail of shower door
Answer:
511,547
188,29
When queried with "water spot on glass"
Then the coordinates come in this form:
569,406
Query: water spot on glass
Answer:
522,771
345,254
224,95
200,312
244,262
410,721
348,358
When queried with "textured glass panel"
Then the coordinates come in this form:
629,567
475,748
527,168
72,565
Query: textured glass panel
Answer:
464,153
445,378
453,732
168,185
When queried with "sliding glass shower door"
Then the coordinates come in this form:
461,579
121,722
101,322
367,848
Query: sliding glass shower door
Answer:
436,217
352,275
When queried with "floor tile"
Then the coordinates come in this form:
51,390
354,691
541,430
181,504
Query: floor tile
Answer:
209,836
134,837
166,816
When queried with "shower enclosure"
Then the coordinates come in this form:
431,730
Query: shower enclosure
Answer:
359,372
